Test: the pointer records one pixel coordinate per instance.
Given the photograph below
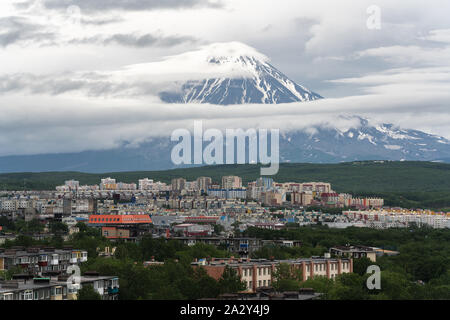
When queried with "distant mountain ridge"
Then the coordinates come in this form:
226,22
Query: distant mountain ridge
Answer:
326,145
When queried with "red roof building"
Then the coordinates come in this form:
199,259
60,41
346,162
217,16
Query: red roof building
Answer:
110,219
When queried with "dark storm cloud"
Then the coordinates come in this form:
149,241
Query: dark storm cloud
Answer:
133,5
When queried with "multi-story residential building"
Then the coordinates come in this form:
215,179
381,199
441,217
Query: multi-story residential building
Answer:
354,252
243,247
108,184
231,193
126,186
58,288
330,198
126,226
253,191
178,184
271,198
72,184
190,229
384,218
364,202
146,184
317,187
302,198
231,182
258,273
9,205
40,260
203,183
265,182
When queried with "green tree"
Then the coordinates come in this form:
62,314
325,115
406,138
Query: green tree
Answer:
360,265
286,279
87,292
57,227
230,282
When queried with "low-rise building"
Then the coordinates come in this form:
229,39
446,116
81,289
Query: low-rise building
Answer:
25,287
354,252
258,273
40,260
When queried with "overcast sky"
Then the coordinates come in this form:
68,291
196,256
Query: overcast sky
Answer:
69,82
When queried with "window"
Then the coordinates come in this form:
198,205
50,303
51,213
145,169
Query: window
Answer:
26,295
8,296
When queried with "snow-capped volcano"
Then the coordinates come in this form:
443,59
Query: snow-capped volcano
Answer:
234,73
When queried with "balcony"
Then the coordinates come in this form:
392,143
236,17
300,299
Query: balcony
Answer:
73,260
113,290
54,262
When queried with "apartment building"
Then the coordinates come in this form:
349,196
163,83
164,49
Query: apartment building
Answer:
145,184
25,287
243,247
231,182
178,184
40,260
317,187
228,193
121,226
203,183
271,198
302,198
384,218
355,252
258,273
108,184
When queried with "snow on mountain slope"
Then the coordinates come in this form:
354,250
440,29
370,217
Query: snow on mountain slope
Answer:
250,79
363,142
